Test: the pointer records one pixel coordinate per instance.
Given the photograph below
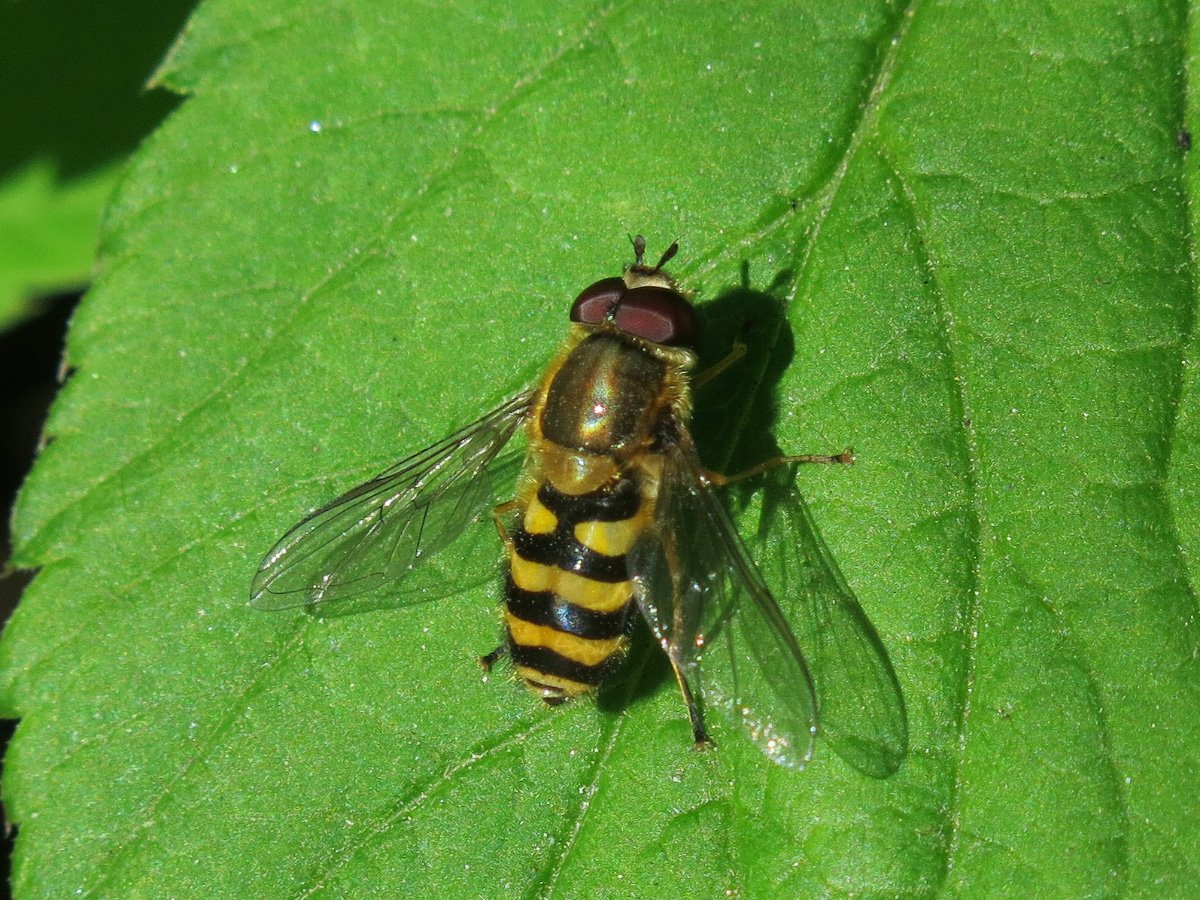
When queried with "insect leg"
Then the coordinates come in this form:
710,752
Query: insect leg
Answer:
718,480
498,515
492,658
735,353
699,733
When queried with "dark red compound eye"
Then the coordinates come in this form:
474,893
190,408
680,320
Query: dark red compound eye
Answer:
658,314
596,302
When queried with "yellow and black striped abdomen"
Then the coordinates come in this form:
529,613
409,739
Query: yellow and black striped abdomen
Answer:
568,594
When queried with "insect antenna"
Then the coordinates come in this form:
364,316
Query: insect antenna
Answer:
639,249
639,252
667,256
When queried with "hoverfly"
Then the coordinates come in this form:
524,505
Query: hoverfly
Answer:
614,512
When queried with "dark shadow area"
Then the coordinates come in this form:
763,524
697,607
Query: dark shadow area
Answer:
29,359
30,354
74,78
736,411
862,714
641,674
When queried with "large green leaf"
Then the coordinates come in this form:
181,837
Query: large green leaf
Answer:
364,226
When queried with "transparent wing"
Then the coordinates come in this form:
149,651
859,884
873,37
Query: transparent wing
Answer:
861,707
383,529
713,614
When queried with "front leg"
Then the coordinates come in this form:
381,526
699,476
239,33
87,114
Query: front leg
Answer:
499,514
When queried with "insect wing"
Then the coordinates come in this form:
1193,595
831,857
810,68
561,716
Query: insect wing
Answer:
861,706
383,529
713,614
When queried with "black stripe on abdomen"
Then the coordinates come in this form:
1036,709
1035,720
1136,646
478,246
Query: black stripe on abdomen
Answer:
546,608
562,551
550,663
613,504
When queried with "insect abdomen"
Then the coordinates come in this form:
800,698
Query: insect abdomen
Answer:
568,594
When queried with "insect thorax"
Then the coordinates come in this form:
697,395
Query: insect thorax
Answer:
608,394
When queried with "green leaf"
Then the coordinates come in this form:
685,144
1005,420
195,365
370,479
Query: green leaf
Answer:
364,227
49,234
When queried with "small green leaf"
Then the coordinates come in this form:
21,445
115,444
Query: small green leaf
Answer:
48,233
364,227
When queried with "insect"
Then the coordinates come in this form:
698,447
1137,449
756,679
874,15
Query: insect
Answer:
615,515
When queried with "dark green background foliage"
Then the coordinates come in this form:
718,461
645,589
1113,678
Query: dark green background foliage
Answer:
72,108
363,226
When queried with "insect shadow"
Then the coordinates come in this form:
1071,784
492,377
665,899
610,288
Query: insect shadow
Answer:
860,702
861,705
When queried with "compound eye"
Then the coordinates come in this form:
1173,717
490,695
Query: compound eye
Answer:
595,303
660,315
